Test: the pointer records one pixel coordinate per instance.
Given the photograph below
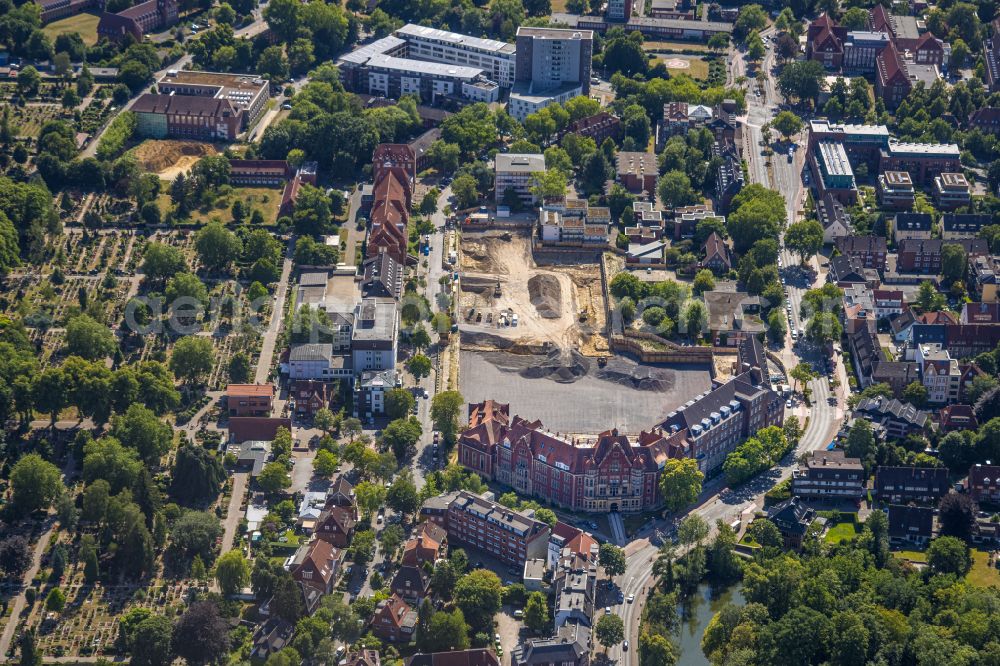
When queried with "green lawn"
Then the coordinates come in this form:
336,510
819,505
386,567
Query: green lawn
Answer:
841,532
673,46
697,70
85,24
913,555
982,574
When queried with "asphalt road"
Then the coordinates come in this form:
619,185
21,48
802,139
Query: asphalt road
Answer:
718,502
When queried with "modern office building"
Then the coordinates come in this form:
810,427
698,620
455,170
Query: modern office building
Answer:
923,161
553,66
515,171
374,340
833,172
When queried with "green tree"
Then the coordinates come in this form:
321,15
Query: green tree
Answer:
239,368
274,478
916,394
161,261
447,632
151,642
609,630
954,262
787,123
201,634
370,496
674,189
445,409
801,373
195,533
56,600
192,357
419,366
140,429
217,247
88,338
805,238
35,484
612,559
402,495
188,286
703,281
398,403
536,613
232,571
680,482
478,594
466,192
949,555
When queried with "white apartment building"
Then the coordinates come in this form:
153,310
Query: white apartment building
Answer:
941,375
494,57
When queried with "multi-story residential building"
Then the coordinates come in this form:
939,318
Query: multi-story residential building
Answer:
941,375
249,399
473,520
899,485
986,119
892,418
955,226
829,475
888,303
369,392
717,256
983,483
859,308
496,58
951,191
394,620
573,222
910,226
374,340
833,172
619,10
259,172
793,519
570,646
516,171
733,316
474,657
686,218
336,295
980,313
923,161
910,524
870,251
991,57
833,217
553,65
895,190
924,256
598,127
638,172
382,68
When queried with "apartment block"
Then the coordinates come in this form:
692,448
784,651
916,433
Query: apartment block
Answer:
895,190
829,475
951,191
511,536
515,171
900,485
923,161
638,172
833,172
497,59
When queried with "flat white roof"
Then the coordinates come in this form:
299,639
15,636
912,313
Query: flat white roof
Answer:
835,159
423,67
466,41
520,162
903,148
362,54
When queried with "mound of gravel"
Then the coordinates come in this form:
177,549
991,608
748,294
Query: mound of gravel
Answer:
563,366
545,293
639,377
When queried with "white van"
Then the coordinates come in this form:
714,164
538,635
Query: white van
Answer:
513,320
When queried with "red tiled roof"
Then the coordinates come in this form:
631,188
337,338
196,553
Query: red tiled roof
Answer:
256,428
256,390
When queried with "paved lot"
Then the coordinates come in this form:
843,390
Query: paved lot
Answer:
588,405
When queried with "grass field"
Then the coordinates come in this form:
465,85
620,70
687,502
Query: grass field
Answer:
982,574
266,199
697,70
913,555
670,46
841,532
85,24
559,6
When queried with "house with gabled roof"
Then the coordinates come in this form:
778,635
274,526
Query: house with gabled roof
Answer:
315,565
394,620
910,524
336,525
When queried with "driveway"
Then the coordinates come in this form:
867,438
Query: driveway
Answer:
233,512
271,334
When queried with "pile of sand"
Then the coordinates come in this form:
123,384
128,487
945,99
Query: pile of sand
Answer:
158,156
545,293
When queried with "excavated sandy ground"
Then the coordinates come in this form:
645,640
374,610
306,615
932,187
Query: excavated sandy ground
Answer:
167,158
548,299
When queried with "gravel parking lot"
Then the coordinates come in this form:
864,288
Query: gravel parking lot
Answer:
588,403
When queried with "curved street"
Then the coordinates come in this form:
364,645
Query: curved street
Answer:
821,420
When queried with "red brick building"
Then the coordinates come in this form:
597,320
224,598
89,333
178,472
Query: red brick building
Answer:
984,483
249,399
511,536
310,396
598,127
871,251
394,167
394,620
924,256
336,526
